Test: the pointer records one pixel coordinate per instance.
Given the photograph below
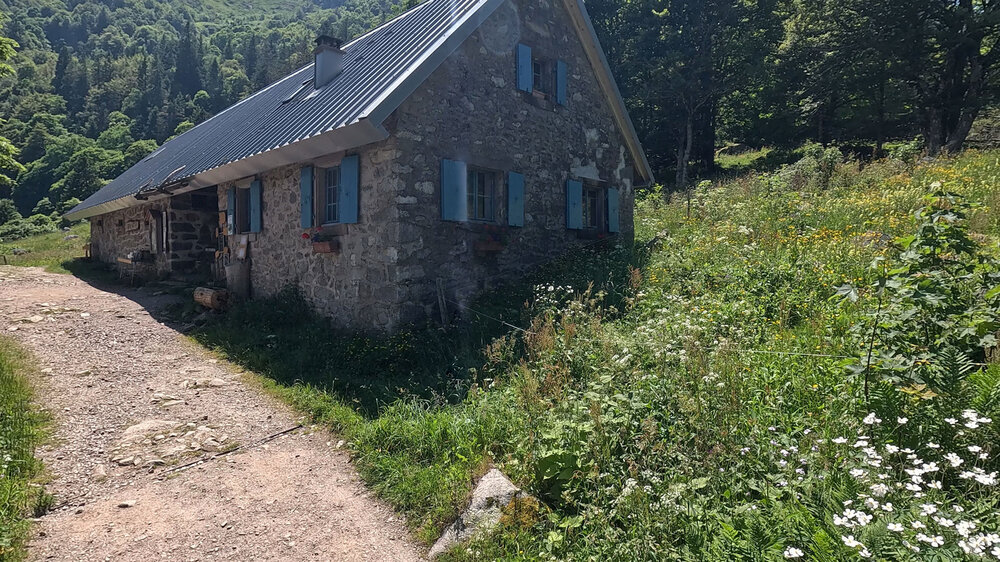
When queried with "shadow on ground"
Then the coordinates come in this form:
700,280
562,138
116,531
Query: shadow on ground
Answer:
283,340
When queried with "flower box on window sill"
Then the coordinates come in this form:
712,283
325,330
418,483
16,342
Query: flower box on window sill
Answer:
487,247
326,247
593,234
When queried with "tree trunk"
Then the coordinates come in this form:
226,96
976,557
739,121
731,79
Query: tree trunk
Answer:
880,133
684,152
970,109
705,138
935,131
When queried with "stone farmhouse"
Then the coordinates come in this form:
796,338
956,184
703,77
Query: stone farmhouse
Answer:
448,150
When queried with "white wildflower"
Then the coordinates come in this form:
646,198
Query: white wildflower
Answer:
851,542
792,552
872,419
880,490
895,527
965,528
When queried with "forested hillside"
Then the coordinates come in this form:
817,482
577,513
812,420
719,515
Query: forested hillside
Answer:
94,86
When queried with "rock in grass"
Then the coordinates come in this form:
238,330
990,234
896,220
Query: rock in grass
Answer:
492,494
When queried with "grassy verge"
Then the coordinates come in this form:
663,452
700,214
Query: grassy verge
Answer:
20,427
704,402
52,251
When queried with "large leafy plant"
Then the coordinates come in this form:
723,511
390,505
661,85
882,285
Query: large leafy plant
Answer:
937,308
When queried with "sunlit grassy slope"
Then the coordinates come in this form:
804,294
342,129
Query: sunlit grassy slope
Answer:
698,402
51,251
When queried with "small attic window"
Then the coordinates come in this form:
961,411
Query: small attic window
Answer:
295,94
154,154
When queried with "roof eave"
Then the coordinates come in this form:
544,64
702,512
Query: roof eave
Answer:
592,46
358,134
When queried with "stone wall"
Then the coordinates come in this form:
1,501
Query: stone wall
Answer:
194,218
189,246
358,287
471,110
114,235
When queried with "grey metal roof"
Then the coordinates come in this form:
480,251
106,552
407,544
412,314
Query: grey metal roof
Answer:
291,121
374,65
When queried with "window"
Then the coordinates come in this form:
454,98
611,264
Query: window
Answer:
157,233
542,73
242,210
328,195
592,208
482,193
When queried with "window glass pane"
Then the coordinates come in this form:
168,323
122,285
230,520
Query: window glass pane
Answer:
330,195
481,187
242,210
591,208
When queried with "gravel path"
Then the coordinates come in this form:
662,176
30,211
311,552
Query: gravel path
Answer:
132,400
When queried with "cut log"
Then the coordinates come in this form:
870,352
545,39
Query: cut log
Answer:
216,299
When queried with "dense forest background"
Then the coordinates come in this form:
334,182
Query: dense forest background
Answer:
91,87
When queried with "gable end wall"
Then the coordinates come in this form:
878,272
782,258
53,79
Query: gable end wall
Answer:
471,110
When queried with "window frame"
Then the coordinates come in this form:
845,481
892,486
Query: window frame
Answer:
242,214
158,233
473,175
543,81
321,187
595,218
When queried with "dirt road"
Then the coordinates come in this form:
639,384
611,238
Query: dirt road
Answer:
131,400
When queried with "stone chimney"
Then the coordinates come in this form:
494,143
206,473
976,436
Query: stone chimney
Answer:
329,60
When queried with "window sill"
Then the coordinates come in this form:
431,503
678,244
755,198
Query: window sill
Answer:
333,229
593,234
540,100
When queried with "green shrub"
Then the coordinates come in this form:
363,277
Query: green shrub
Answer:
25,227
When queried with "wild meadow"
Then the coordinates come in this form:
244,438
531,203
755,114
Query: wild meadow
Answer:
20,425
789,365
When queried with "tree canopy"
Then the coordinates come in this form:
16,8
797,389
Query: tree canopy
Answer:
89,88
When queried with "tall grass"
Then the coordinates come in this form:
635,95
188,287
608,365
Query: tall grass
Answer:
697,402
20,427
51,251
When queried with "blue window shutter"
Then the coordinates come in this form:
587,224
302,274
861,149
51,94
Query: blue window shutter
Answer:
306,187
525,76
574,205
454,191
350,177
515,199
231,211
255,206
561,82
613,218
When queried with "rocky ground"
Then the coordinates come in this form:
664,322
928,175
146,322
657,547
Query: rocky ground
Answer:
133,403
